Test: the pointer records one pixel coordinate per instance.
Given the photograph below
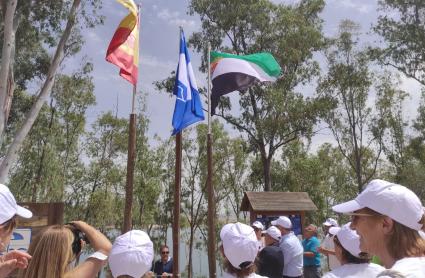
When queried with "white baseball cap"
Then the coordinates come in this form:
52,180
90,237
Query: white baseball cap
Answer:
9,208
131,254
331,222
282,221
348,238
394,200
273,232
258,224
240,244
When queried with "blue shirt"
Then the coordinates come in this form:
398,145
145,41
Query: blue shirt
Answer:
292,255
160,267
311,245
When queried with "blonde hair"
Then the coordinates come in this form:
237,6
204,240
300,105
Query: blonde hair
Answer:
51,253
405,242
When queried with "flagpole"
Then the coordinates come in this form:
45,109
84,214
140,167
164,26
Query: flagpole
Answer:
131,158
177,193
210,188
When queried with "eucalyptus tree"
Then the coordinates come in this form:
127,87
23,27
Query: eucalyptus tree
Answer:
402,27
51,159
36,27
348,85
270,116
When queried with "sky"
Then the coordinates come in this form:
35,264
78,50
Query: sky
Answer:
159,41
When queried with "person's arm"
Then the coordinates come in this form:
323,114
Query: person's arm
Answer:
311,249
90,267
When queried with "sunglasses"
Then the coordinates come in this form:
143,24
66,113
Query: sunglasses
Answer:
165,252
355,216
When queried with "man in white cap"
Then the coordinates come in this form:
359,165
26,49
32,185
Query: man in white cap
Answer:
131,255
239,248
258,229
327,246
388,218
8,214
270,259
291,248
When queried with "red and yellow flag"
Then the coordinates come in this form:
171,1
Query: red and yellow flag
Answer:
123,49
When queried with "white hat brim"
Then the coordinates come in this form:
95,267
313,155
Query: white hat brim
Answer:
347,207
23,212
274,223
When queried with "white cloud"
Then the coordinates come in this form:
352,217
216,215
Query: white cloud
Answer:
361,6
175,19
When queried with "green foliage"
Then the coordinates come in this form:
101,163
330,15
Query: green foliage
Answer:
271,116
50,159
402,26
348,86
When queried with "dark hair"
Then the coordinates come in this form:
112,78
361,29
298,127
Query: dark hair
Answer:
162,247
9,225
350,258
246,268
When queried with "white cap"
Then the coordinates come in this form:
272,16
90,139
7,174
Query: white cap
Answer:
273,232
9,208
131,254
282,221
240,244
331,222
394,200
348,238
258,224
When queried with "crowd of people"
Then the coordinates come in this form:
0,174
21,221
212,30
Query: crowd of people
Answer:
387,226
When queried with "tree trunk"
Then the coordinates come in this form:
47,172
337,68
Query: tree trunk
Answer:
266,172
8,42
12,152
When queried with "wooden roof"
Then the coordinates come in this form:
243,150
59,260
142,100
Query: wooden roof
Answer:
277,201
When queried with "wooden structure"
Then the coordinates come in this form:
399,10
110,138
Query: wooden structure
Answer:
273,204
44,214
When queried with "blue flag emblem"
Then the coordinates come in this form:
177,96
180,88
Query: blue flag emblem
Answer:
188,108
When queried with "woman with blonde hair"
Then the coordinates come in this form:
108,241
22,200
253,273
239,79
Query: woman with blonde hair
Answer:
388,218
56,248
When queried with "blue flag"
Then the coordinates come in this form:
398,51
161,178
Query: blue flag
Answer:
188,108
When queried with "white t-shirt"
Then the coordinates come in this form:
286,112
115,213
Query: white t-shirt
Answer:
410,267
355,271
328,243
252,275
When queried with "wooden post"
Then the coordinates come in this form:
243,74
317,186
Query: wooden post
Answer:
130,170
210,186
176,213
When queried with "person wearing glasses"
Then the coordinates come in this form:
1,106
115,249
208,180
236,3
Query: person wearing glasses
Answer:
388,217
353,263
9,211
164,266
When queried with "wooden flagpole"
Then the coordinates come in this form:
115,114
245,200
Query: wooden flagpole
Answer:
131,158
176,210
210,187
177,200
130,168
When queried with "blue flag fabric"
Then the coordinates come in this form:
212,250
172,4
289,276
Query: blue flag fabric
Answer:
188,108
